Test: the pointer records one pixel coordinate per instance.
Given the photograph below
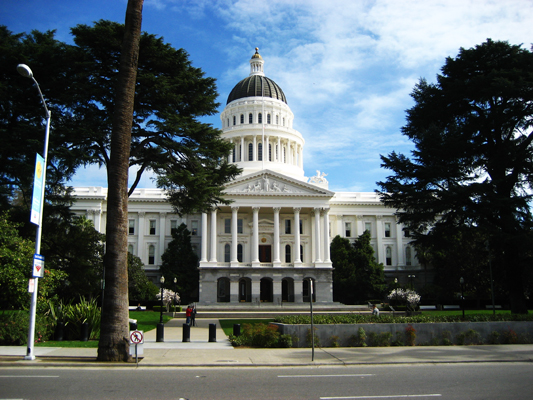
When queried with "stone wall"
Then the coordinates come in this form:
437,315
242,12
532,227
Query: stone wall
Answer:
426,333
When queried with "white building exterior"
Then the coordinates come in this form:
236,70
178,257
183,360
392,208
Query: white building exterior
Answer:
274,237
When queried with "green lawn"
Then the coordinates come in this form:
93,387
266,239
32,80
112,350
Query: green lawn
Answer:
146,321
467,312
227,324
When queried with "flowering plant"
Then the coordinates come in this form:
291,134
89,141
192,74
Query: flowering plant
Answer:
407,296
168,297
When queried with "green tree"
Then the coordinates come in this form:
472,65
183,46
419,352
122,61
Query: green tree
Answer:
140,288
73,246
357,276
16,260
472,163
181,262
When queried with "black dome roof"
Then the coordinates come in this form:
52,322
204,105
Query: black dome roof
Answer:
251,87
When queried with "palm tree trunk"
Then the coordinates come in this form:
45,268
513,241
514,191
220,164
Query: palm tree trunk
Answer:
114,345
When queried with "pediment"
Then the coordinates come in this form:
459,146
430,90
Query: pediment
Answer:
269,183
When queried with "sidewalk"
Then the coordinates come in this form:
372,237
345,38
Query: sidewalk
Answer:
199,352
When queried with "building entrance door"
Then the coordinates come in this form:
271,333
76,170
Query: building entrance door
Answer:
265,253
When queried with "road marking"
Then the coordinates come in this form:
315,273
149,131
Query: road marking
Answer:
322,376
29,376
397,396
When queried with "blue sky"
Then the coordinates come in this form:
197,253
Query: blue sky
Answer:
347,67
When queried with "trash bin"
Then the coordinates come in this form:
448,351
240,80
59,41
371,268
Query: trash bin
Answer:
160,333
212,332
133,326
84,332
186,333
236,329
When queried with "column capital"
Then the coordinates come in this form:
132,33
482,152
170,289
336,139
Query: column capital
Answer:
256,209
276,209
234,208
297,209
141,214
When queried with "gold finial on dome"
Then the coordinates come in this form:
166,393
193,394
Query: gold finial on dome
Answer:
257,55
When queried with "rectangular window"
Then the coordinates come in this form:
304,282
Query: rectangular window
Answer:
227,225
387,229
287,226
131,227
348,226
240,228
301,228
368,227
194,228
406,233
152,227
173,226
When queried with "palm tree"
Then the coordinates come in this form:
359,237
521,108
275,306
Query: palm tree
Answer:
114,345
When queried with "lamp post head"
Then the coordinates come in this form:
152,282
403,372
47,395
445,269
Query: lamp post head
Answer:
175,280
462,281
25,71
162,280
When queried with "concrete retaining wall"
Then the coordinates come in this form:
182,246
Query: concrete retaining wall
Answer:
426,333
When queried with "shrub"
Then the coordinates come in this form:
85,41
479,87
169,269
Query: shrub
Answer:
380,339
410,335
14,328
309,338
334,341
509,337
447,338
285,341
494,338
259,335
398,341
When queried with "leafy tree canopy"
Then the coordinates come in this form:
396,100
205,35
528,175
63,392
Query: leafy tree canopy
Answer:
181,262
140,288
472,164
357,276
79,84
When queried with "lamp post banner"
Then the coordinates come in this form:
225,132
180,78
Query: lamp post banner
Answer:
38,187
38,266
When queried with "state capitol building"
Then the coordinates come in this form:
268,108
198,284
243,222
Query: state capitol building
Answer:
274,238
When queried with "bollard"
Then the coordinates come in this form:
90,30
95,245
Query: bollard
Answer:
58,334
212,332
160,333
84,332
236,329
186,333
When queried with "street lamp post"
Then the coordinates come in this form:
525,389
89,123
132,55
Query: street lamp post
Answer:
411,277
462,282
26,72
160,333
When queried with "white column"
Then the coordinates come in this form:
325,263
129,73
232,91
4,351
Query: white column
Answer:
276,236
379,235
399,244
326,235
359,224
242,151
267,145
254,150
140,237
317,235
255,240
162,232
204,238
280,157
234,237
297,257
213,251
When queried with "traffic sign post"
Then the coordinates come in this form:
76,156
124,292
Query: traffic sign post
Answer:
137,338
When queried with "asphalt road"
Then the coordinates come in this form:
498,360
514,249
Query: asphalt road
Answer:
421,381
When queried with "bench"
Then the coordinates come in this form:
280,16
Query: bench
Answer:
489,307
451,307
134,308
422,308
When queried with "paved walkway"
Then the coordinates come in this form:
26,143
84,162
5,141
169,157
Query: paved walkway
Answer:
199,352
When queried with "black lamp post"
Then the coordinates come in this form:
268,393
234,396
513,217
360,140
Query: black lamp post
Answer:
160,333
411,277
462,282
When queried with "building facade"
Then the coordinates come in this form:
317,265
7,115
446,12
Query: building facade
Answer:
272,243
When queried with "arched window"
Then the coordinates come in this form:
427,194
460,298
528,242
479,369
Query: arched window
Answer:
284,155
407,255
250,152
130,248
226,252
301,252
388,255
242,118
268,118
284,121
234,153
260,152
260,118
269,152
250,118
227,122
288,253
234,120
277,119
151,255
239,252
